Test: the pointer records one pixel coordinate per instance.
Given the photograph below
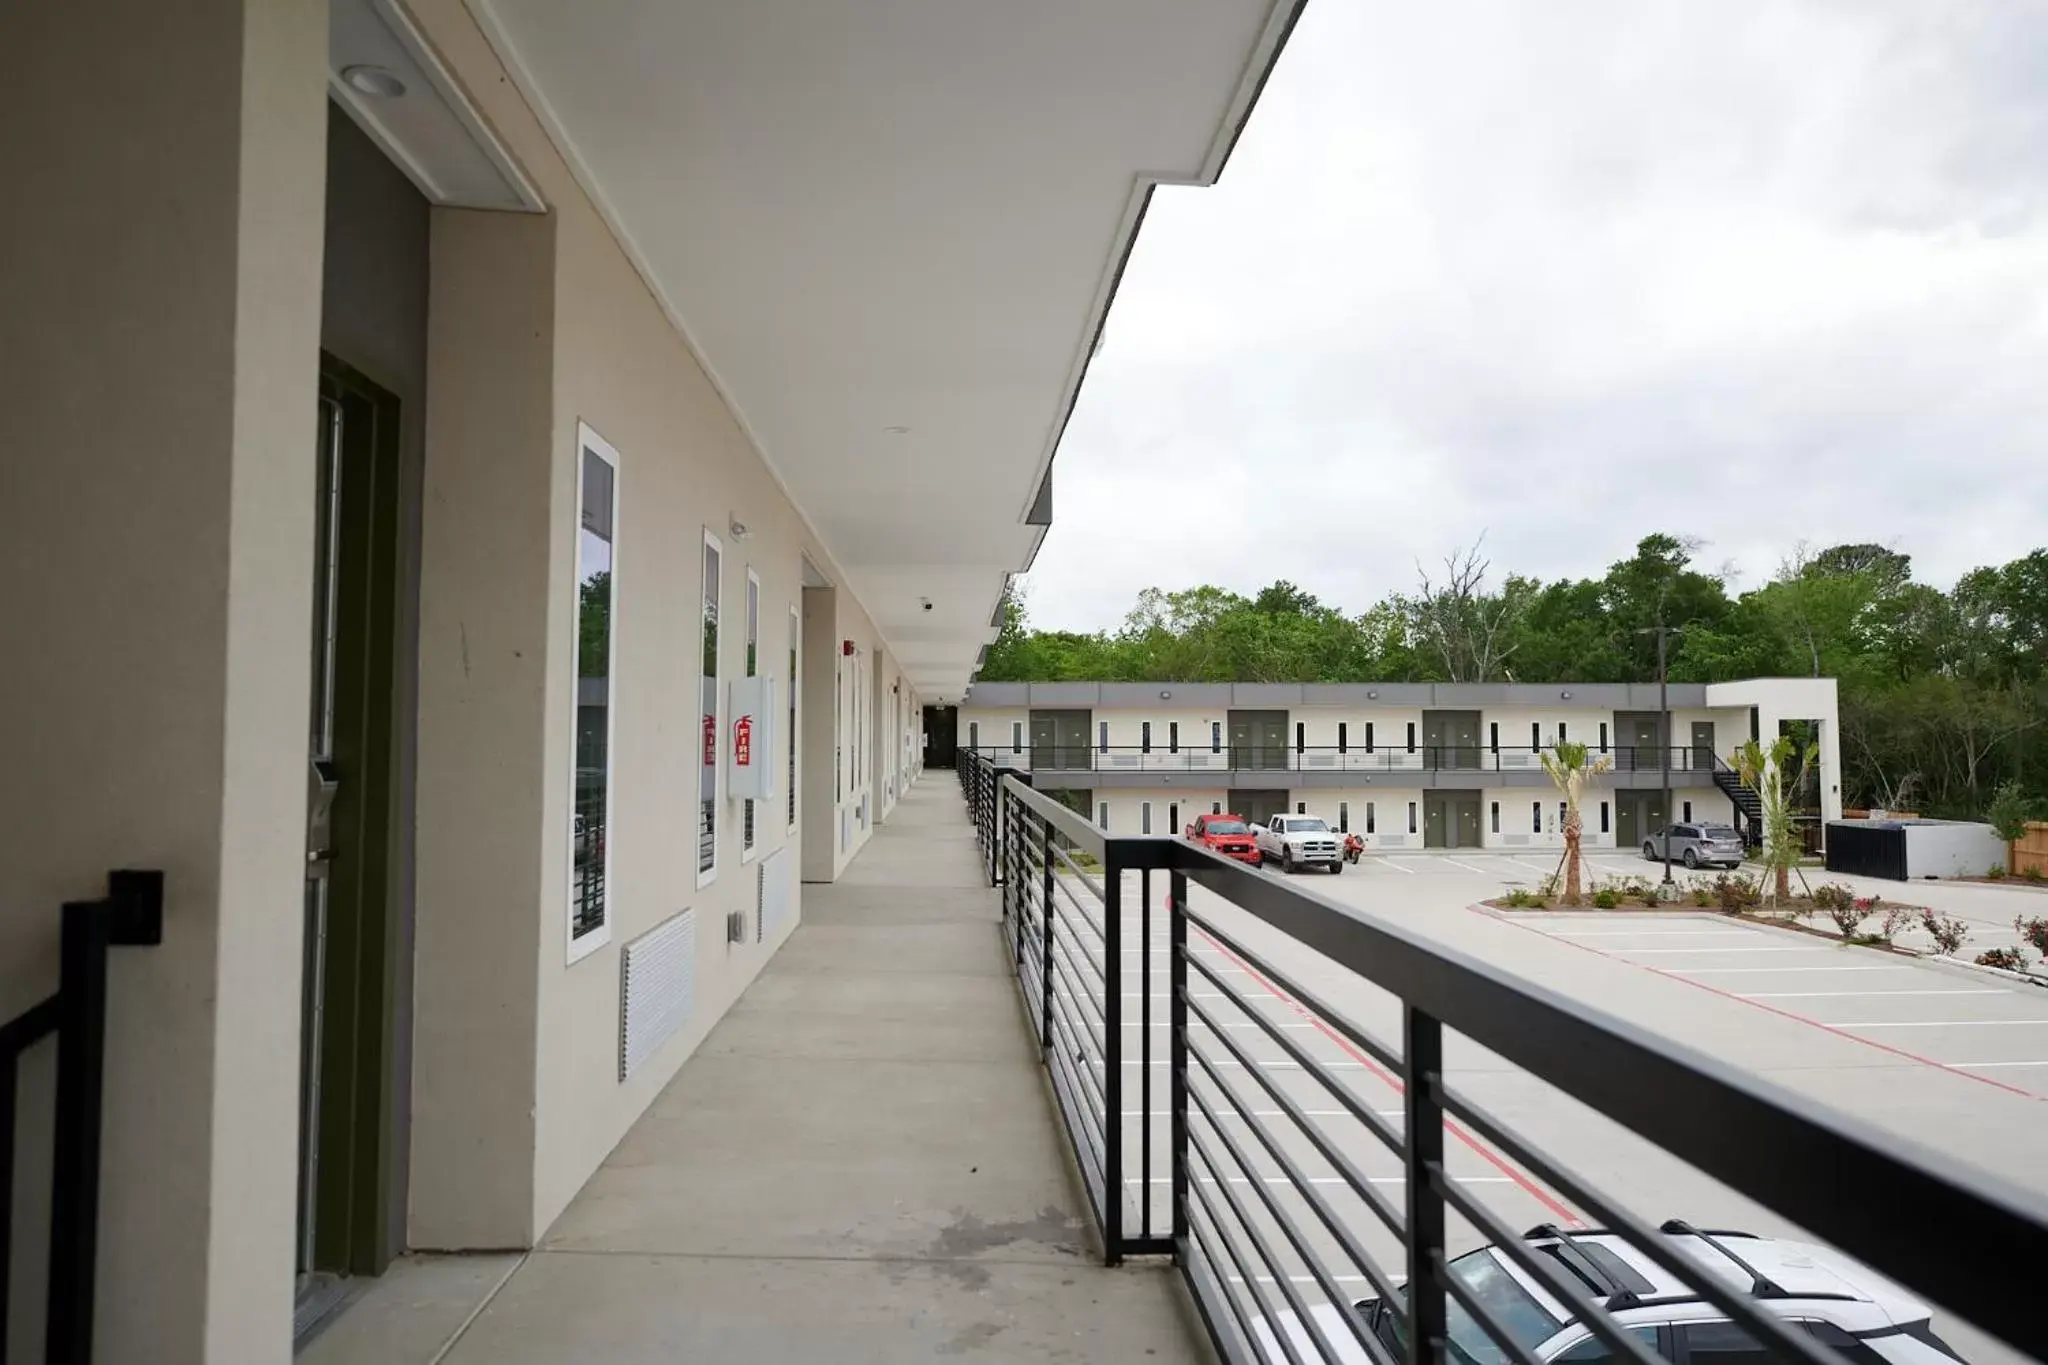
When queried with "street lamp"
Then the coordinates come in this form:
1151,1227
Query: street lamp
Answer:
1664,632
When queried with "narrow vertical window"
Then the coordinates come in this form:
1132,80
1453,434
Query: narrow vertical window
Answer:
1215,736
1300,736
707,691
796,635
1493,735
1561,732
1370,823
1301,808
1559,827
1535,737
1368,736
1687,815
1102,736
753,624
1145,737
1102,815
1496,817
1603,736
596,599
1144,817
1536,817
1603,817
1173,818
1343,737
1411,810
1411,745
1016,736
974,735
1343,817
1215,808
1173,736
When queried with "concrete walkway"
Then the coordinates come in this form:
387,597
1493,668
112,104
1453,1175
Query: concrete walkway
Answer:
860,1165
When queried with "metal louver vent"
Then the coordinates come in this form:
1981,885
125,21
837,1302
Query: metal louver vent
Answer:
657,975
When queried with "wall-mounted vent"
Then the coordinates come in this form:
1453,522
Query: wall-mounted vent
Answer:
778,894
657,975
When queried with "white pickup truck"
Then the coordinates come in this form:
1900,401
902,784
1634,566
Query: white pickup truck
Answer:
1292,842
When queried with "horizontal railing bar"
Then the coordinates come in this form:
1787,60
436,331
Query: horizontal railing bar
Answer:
1359,1182
1481,1314
1380,1052
1080,875
1775,1146
1373,1123
1606,1212
1267,1253
30,1027
1220,1284
1267,1310
1324,1277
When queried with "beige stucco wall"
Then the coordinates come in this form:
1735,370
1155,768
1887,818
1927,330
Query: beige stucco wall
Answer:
159,311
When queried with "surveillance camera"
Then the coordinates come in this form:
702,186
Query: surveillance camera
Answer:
927,604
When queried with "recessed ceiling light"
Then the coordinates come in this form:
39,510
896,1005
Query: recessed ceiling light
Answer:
374,81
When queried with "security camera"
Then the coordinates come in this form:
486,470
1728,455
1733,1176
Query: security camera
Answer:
927,603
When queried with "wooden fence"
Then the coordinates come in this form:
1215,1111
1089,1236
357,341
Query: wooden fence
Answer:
2031,852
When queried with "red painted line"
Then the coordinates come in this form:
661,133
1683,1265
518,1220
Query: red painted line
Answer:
1365,1059
1773,1009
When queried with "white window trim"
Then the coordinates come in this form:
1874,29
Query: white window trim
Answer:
749,851
580,948
706,876
794,768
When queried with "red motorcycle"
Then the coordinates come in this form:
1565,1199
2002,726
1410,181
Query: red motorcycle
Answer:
1354,847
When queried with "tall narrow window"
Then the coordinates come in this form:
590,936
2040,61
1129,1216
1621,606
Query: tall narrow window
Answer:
1411,745
1535,737
1603,817
1300,736
707,691
1173,736
1102,815
1536,817
1102,735
1496,817
1603,736
838,729
1215,808
796,635
1560,732
596,598
1559,826
1686,809
1343,737
1369,821
1215,736
974,735
1343,817
1301,808
1173,818
1016,736
1368,736
753,667
1145,737
1411,810
1144,817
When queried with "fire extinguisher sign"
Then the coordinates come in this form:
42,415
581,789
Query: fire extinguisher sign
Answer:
743,741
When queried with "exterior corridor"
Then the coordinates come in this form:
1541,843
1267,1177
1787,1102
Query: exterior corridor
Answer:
859,1165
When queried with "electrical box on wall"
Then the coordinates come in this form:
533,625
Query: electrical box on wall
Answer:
749,753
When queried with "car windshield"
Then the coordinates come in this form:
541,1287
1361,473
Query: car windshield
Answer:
1306,824
1514,1307
1726,832
1224,827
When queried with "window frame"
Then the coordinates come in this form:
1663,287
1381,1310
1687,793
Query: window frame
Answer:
1535,817
1369,821
1173,736
1144,817
750,830
715,600
1102,736
796,648
578,947
1343,738
1144,736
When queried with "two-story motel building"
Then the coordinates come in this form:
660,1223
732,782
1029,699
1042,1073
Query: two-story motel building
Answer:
1405,765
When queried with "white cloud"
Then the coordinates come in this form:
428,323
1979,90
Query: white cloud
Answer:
1754,271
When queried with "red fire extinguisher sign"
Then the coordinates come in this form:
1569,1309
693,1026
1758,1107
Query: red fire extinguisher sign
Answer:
743,741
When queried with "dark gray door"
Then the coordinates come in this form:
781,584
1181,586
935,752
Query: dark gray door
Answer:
1451,739
1257,806
1059,740
1258,740
1636,734
1436,821
1703,745
1466,830
1637,816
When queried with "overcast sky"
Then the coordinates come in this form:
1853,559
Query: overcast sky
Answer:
1753,271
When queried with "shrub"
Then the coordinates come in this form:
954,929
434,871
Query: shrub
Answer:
2033,876
1605,898
2009,811
1702,896
1848,912
1996,872
1947,931
1519,899
1734,892
1550,887
1833,896
2033,931
1895,918
2008,959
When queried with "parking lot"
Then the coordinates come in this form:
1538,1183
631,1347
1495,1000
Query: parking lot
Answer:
1953,1060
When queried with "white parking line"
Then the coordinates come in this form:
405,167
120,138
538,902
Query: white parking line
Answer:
1665,952
1395,864
1980,1066
1942,1023
1704,971
1467,866
1824,995
1650,933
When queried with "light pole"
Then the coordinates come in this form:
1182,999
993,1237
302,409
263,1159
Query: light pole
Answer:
1664,632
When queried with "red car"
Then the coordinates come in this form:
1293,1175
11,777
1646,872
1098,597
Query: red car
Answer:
1226,834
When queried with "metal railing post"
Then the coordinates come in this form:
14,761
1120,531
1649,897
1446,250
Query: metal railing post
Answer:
1112,1056
1177,1042
1045,956
1423,1139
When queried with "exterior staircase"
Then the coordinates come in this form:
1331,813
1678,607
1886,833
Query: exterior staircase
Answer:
1749,807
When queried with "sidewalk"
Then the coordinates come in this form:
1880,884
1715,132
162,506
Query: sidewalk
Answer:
859,1165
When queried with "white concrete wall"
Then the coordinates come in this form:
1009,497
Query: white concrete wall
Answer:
1782,699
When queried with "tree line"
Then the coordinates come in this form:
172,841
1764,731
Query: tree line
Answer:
1944,695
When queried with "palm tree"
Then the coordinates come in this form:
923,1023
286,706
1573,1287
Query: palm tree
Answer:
1764,770
1572,768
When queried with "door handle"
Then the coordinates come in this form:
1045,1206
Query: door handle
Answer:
323,781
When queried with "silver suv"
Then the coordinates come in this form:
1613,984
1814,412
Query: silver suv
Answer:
1846,1307
1697,845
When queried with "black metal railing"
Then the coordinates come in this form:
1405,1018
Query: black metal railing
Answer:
76,1018
1309,1201
1160,758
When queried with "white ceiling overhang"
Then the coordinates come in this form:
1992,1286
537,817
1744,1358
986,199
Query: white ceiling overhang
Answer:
891,229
